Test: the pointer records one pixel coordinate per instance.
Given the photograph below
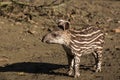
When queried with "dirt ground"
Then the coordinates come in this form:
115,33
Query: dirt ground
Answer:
24,57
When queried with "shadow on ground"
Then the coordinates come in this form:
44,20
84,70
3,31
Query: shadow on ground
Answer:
34,67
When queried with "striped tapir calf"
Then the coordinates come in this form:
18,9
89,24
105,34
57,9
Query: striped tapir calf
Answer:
77,43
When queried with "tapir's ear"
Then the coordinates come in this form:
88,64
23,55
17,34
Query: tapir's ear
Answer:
64,25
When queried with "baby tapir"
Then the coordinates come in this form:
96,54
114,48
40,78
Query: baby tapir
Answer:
77,43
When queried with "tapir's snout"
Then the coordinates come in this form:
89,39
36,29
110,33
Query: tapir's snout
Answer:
45,39
55,37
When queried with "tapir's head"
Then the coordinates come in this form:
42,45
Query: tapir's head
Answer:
60,36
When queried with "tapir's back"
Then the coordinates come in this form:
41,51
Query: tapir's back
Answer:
86,40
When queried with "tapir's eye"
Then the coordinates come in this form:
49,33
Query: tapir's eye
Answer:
54,35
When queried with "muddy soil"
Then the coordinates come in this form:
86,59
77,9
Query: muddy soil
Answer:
24,57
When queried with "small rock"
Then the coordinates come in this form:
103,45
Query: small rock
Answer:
117,30
109,19
31,32
43,28
21,73
4,59
18,23
117,48
118,21
31,21
35,26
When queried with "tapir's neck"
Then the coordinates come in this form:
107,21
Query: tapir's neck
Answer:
67,38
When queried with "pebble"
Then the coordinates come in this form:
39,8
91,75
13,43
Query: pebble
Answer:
4,59
21,73
31,32
35,26
118,21
117,48
109,19
117,30
18,23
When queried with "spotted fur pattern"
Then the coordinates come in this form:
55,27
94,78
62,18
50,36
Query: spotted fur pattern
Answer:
77,43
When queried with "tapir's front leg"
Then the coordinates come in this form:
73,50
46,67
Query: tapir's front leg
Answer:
70,58
77,65
68,53
71,68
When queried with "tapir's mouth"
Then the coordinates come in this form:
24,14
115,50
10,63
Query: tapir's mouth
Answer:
46,41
